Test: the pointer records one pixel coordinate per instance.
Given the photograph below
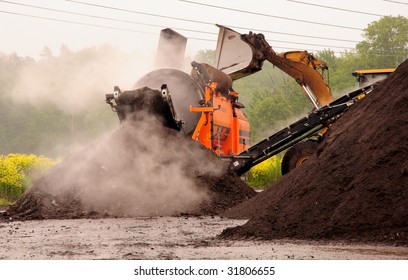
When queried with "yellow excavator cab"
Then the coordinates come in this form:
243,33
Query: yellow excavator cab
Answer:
371,76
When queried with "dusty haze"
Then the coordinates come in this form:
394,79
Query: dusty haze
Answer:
75,81
71,86
138,169
141,169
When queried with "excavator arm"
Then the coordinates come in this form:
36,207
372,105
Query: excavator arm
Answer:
240,55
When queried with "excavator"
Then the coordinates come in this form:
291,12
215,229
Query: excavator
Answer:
204,106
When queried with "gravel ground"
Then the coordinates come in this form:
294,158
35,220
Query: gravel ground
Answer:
164,238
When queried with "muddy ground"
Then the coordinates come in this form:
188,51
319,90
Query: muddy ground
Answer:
164,238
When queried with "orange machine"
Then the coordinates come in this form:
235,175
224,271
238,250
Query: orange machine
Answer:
204,105
223,127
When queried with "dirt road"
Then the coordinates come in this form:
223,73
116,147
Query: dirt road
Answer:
163,238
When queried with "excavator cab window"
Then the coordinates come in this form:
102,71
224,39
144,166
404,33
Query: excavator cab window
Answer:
368,77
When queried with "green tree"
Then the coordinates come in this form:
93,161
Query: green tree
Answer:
340,69
50,105
46,53
205,56
328,56
272,109
385,43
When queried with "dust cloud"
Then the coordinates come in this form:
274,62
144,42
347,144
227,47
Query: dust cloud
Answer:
74,82
141,169
71,86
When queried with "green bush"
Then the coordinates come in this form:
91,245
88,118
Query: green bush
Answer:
17,171
265,173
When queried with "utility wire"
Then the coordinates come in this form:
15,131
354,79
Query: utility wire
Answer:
210,23
76,22
310,44
397,2
151,33
138,31
137,12
154,25
184,29
335,8
93,25
294,34
100,17
268,15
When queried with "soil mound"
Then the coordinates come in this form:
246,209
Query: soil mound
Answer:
141,169
355,187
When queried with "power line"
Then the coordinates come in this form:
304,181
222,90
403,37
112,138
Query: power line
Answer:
297,49
151,33
125,29
209,23
310,44
138,31
154,25
137,12
268,15
184,29
76,22
397,2
294,34
193,38
100,17
335,8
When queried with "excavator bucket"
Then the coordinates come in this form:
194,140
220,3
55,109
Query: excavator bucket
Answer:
234,56
242,55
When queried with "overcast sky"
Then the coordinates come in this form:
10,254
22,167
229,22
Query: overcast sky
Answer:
135,25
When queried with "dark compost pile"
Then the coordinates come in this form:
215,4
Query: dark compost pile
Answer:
355,187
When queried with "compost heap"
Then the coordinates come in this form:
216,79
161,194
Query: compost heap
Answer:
356,186
141,169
